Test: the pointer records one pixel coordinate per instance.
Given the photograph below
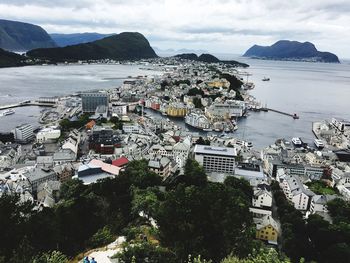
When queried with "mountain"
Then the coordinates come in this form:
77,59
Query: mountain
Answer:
63,40
9,59
208,58
123,46
291,50
18,36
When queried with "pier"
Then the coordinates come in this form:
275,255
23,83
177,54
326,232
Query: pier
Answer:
27,103
294,116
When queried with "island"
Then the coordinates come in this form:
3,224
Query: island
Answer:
291,50
208,58
123,46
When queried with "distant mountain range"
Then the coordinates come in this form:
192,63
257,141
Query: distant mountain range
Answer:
291,50
18,36
123,46
208,58
63,40
172,52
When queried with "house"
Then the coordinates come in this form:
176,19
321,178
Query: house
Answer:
96,170
262,197
267,229
63,156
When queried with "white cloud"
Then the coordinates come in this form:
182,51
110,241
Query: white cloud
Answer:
230,26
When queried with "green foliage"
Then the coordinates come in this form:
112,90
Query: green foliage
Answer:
102,237
51,257
235,84
260,256
68,125
181,81
197,103
9,59
145,252
194,173
321,188
195,92
201,141
209,221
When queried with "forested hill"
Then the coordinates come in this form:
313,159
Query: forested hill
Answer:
18,36
9,59
123,46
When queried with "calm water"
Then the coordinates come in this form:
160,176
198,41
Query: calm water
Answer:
314,91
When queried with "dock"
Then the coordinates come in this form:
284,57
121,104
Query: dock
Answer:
27,103
294,116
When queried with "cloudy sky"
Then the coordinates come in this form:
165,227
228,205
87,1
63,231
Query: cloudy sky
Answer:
220,26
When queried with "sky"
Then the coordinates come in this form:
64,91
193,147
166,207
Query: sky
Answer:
219,26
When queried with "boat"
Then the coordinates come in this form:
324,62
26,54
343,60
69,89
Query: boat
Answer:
297,142
208,130
266,79
295,116
319,143
8,112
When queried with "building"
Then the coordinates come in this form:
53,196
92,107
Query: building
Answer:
267,229
38,176
319,205
96,170
63,156
160,166
176,110
250,172
216,159
23,133
90,101
104,140
120,162
295,191
227,110
48,135
131,128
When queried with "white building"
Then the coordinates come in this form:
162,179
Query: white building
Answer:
226,110
216,159
23,133
295,191
262,198
48,134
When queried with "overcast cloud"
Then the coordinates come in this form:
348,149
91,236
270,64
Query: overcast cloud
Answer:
221,26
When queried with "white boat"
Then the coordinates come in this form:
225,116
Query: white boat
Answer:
208,130
7,112
319,143
297,141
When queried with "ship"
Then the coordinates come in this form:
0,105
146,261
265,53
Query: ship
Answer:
319,143
8,112
266,79
297,142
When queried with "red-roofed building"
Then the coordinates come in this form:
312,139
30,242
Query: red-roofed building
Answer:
122,161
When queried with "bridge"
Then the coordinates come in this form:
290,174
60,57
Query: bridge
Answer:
27,103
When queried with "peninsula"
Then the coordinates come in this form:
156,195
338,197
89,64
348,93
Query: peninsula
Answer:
123,46
291,50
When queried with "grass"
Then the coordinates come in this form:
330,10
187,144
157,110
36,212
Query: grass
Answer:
321,188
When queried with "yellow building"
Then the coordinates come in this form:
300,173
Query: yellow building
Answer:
218,83
176,111
267,229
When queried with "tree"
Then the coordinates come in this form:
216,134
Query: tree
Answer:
194,173
51,257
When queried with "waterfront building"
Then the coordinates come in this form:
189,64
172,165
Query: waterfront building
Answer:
50,100
226,110
176,110
90,101
216,159
23,133
197,120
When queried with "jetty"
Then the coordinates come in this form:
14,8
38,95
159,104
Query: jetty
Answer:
27,103
294,115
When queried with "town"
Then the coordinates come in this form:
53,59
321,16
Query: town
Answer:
189,110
